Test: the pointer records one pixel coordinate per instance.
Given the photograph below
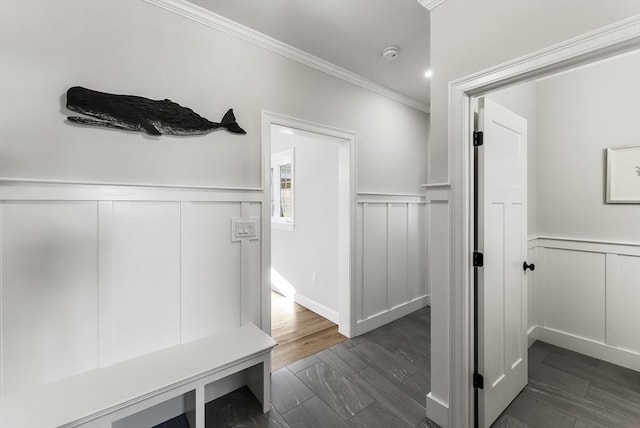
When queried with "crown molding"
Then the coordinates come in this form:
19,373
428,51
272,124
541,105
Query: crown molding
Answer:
212,20
431,4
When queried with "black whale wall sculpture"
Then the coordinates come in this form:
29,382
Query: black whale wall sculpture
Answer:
141,114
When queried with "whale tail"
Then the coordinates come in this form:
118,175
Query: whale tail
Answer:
229,123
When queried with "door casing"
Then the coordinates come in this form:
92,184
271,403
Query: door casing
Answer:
346,208
606,42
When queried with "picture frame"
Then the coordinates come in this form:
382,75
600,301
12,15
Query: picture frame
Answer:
623,175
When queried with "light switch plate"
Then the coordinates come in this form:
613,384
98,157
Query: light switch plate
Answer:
244,228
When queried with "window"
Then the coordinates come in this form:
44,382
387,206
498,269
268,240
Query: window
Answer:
282,190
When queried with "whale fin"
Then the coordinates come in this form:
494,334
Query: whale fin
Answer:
148,126
229,122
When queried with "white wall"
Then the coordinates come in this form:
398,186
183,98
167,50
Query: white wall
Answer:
470,36
312,246
133,47
584,281
168,240
580,114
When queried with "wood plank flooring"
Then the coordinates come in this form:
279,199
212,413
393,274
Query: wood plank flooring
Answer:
299,332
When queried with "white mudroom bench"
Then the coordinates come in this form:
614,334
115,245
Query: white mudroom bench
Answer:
99,397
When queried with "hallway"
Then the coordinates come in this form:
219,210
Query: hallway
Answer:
379,379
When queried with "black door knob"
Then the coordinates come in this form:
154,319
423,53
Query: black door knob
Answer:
526,266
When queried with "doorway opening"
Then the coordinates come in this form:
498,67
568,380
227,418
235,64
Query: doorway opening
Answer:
308,204
599,45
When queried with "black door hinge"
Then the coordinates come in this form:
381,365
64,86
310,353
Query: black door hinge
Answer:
478,259
478,381
478,138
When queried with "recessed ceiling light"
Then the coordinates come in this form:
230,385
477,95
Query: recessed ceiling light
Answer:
428,74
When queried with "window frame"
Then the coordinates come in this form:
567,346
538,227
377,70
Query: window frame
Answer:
278,160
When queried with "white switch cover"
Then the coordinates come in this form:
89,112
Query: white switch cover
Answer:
244,228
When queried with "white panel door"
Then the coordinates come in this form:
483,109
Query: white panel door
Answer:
502,232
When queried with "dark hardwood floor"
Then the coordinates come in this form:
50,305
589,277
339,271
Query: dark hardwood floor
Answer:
381,379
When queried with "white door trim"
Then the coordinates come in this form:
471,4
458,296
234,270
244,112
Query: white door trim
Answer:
597,45
346,216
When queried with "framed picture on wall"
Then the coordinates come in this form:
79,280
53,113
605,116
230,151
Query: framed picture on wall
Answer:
623,175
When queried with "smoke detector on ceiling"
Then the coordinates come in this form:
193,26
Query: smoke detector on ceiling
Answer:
390,53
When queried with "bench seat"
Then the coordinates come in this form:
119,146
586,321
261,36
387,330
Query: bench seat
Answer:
99,397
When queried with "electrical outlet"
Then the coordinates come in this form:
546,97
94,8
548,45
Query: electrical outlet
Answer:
314,278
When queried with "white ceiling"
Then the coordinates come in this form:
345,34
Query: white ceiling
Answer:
348,33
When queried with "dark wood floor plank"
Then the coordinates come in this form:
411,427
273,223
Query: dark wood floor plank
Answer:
558,378
531,410
601,376
389,395
507,421
313,414
626,405
342,395
287,390
580,407
376,416
388,363
241,408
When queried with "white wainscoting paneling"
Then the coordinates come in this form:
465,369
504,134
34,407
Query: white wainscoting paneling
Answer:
587,297
146,277
49,297
574,292
624,332
92,274
209,257
390,258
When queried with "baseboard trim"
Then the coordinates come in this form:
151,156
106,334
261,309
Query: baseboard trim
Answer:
621,357
382,318
437,411
316,307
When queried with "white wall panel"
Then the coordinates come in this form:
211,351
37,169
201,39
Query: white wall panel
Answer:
251,274
390,259
531,289
417,245
146,276
587,296
574,300
397,254
374,259
628,303
210,269
49,291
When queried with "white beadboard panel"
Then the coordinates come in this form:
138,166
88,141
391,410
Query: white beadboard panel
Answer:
359,260
587,295
531,289
416,250
210,269
397,254
146,277
628,303
374,263
574,299
49,291
251,270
